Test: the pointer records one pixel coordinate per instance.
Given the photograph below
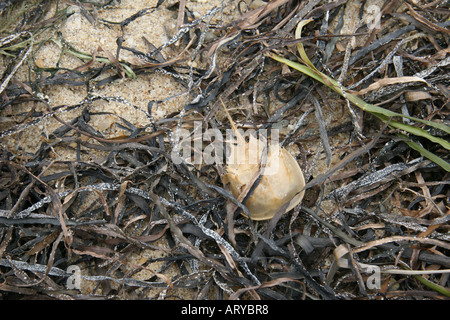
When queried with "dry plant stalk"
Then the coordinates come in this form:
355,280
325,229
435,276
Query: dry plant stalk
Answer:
281,179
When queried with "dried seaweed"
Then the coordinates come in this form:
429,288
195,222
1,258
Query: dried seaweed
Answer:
372,203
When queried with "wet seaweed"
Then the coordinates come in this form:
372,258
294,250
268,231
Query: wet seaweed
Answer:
376,204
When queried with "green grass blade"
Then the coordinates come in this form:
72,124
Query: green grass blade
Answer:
420,132
433,286
427,154
84,56
300,48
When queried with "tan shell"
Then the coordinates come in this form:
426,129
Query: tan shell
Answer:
281,181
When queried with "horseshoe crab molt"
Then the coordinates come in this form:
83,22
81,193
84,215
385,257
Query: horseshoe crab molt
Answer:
281,179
